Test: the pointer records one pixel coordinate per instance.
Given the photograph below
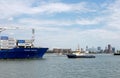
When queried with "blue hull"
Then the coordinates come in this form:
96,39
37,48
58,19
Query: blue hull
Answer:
22,53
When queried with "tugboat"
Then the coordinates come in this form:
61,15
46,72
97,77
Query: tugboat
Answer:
117,53
22,48
78,54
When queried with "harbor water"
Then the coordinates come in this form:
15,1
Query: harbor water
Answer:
59,66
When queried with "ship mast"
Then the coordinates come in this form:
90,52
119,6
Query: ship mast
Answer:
33,34
78,47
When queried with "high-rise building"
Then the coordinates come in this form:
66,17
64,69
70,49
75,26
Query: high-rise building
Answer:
113,49
86,48
99,48
109,49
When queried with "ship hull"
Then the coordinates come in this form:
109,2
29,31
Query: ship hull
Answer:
80,56
21,53
116,53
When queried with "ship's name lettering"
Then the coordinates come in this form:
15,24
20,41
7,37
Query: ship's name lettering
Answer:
29,50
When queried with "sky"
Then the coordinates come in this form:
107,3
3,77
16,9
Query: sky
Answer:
63,23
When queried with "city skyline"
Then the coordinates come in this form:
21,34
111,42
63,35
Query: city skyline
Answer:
63,23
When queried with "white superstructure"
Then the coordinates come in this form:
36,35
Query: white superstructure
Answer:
7,42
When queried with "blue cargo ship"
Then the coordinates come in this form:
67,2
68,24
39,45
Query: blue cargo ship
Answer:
11,48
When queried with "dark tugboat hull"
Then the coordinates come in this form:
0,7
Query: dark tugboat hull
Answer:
80,56
116,53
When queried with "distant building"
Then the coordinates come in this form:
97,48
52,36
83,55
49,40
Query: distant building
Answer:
86,48
105,50
92,50
61,51
109,48
113,49
99,48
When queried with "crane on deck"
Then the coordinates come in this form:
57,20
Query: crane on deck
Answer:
16,28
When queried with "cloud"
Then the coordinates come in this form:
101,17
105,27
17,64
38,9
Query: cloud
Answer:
14,8
94,21
102,34
45,22
63,23
10,19
71,38
56,28
62,7
113,17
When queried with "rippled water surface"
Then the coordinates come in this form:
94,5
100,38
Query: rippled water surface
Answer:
54,66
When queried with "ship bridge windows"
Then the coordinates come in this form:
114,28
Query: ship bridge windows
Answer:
21,46
24,46
28,46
